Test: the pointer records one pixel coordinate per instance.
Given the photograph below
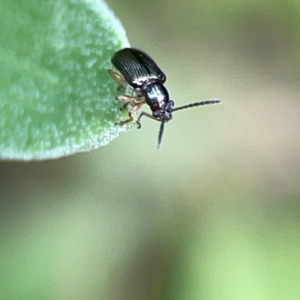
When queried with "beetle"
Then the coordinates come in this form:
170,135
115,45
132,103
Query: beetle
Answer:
147,80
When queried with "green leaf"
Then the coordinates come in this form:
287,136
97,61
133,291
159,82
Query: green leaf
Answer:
56,96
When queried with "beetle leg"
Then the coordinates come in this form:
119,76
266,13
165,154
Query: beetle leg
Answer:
131,117
126,104
118,78
134,109
143,113
125,121
127,98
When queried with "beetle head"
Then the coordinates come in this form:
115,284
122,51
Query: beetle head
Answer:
165,113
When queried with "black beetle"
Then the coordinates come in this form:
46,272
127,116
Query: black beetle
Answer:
146,78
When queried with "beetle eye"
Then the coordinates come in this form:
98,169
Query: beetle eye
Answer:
156,114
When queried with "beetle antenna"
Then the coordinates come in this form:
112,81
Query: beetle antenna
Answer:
215,101
161,131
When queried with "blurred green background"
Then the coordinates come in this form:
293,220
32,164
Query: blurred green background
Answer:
214,214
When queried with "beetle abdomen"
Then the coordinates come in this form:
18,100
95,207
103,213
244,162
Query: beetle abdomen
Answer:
137,67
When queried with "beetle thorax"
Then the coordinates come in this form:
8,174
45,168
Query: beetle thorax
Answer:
156,96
